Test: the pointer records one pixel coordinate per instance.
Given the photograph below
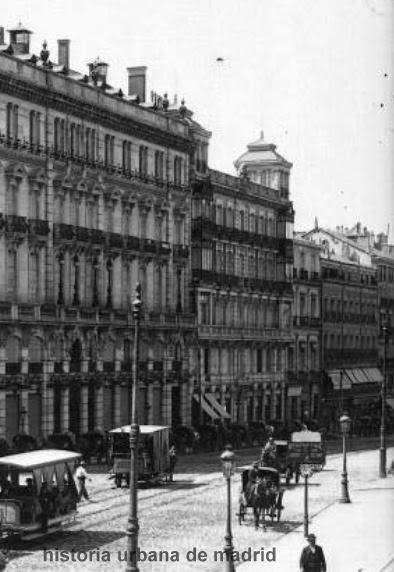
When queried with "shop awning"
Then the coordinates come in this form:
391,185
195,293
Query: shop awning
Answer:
206,407
335,376
374,374
364,375
216,406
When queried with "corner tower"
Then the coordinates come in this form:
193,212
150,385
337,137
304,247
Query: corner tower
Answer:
262,164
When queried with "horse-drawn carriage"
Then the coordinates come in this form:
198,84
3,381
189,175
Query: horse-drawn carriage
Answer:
153,458
282,462
263,494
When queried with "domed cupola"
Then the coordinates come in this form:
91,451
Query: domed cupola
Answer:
262,164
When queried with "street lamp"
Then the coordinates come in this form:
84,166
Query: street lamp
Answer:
306,471
382,450
132,523
228,463
345,423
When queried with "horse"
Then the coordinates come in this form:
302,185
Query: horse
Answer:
261,496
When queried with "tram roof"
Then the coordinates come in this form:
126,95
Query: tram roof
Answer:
34,459
144,429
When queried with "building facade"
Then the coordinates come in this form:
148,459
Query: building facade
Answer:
94,197
242,264
305,377
350,336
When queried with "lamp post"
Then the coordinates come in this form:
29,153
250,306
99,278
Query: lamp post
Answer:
228,462
306,472
132,523
345,423
382,450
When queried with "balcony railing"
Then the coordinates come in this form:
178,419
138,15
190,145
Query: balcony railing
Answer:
228,280
203,227
17,224
35,367
38,227
13,367
63,155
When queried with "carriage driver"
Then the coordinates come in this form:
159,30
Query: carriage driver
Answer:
269,450
252,475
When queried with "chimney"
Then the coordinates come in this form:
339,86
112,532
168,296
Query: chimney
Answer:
63,50
1,36
137,82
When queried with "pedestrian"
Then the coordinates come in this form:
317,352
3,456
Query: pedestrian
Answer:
312,557
81,476
3,560
173,460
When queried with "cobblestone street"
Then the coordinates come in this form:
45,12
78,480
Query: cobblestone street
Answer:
190,513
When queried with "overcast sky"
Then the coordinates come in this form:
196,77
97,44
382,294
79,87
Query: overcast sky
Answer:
315,75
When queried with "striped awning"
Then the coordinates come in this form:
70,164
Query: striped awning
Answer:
216,406
206,407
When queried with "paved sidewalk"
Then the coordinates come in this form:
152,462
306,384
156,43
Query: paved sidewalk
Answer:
339,528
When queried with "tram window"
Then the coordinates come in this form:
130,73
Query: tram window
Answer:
24,479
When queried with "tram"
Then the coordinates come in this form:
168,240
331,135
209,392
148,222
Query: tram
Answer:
38,494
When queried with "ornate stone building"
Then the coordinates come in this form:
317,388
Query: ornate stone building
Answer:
94,196
304,367
242,257
350,333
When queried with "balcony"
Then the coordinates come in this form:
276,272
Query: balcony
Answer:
13,368
35,367
108,366
162,247
97,236
147,245
82,234
16,224
132,243
38,227
64,231
114,240
180,250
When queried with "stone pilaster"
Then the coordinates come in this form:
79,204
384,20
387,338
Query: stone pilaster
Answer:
116,405
166,405
47,420
83,424
98,407
24,405
150,402
2,414
64,409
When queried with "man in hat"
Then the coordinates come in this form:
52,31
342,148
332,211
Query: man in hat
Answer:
312,557
81,476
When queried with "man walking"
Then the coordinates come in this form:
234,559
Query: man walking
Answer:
81,476
312,557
